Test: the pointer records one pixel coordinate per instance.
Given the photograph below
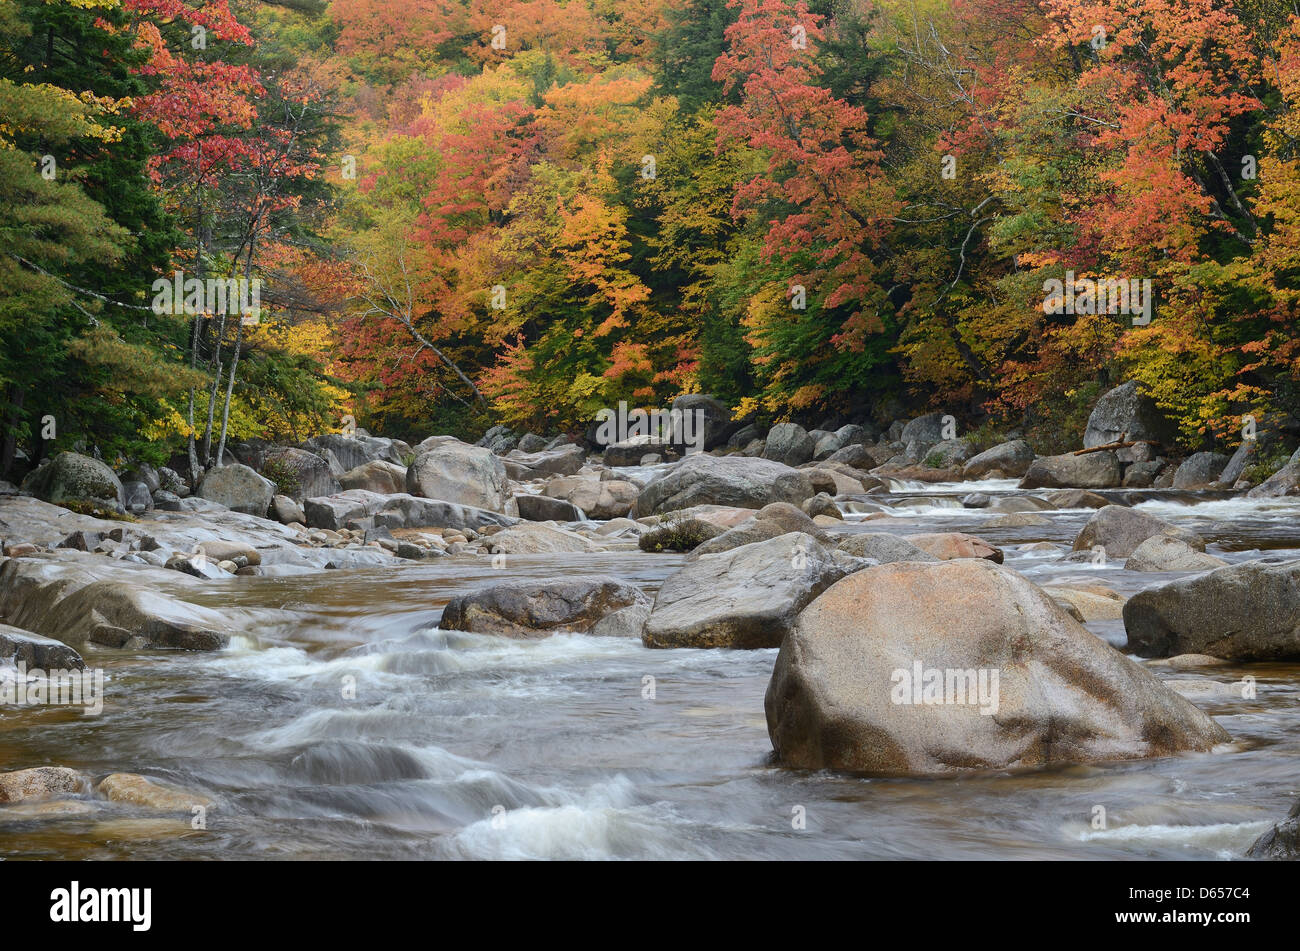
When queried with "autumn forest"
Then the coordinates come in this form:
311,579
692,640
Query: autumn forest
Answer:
461,213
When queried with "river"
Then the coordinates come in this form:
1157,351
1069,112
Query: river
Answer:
350,727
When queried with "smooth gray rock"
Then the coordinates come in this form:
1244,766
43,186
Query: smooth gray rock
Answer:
883,547
745,598
1121,530
238,488
723,480
1245,612
1126,411
538,608
1200,470
453,471
1012,459
1095,470
541,508
789,443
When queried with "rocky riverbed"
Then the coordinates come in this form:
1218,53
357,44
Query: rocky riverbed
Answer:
538,654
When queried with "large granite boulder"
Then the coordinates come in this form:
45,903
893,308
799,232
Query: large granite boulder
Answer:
1245,612
1120,530
238,488
71,477
604,499
1093,470
453,471
724,480
1012,459
1126,412
789,443
1201,470
378,475
964,664
304,474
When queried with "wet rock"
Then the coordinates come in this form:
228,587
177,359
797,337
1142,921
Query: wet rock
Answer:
537,608
743,598
1012,459
378,475
1017,520
1095,470
451,471
41,782
948,545
138,791
723,480
976,500
71,477
69,600
625,622
1121,530
1248,611
238,488
1194,661
541,508
1126,412
195,566
849,687
1077,499
37,652
1280,843
1166,553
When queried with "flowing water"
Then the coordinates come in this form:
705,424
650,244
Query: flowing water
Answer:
347,725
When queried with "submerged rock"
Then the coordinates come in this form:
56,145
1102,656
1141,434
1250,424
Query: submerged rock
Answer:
1282,842
41,782
1006,679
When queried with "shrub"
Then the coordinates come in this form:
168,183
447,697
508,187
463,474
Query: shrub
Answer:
284,477
678,535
